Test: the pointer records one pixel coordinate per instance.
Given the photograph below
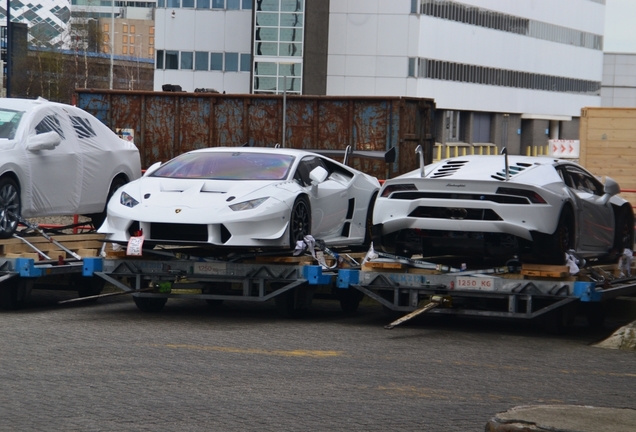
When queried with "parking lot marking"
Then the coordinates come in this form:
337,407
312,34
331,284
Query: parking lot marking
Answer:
236,350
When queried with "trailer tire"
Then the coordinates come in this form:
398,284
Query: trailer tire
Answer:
150,304
87,287
350,300
14,294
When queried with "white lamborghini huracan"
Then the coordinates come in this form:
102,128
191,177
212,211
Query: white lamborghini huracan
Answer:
502,206
245,197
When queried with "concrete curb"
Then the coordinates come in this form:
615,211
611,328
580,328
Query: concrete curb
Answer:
563,418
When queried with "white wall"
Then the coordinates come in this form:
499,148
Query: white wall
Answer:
619,80
368,54
208,31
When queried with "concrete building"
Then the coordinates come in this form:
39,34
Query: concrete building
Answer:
503,73
619,80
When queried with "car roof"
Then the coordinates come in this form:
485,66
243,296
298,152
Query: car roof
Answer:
25,104
268,150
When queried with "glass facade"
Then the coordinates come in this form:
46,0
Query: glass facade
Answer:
278,46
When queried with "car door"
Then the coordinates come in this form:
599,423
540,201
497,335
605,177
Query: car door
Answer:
595,227
55,172
328,200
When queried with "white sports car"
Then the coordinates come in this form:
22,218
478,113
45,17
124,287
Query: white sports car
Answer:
502,206
245,197
57,159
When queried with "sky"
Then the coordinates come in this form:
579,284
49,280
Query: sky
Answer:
620,26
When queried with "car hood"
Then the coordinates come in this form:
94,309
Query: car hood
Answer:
195,193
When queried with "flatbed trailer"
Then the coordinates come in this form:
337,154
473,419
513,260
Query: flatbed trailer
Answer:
293,285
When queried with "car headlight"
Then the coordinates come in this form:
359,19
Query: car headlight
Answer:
248,205
127,200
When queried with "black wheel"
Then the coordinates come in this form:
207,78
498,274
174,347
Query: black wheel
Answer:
300,221
350,300
97,219
14,294
551,249
214,303
87,287
294,303
150,304
9,203
368,228
624,230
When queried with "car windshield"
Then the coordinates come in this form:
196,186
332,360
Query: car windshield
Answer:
9,121
227,166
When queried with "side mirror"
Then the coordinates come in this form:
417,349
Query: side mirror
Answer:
611,187
43,141
152,168
318,175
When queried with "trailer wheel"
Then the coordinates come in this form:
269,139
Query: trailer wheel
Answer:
294,303
14,294
87,287
150,304
9,202
350,300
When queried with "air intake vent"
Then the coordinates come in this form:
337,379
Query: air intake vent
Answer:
513,170
448,169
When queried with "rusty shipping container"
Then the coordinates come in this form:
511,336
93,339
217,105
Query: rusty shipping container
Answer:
166,124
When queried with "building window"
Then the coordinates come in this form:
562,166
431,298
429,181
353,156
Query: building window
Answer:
125,28
151,51
200,60
203,4
151,41
233,4
151,30
186,60
247,4
106,28
125,39
173,3
106,37
187,3
172,59
132,40
218,4
132,29
411,72
231,62
159,60
216,61
246,62
124,49
132,49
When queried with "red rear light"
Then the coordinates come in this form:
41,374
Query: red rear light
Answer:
532,196
397,188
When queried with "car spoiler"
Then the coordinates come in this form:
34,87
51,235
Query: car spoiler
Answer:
387,156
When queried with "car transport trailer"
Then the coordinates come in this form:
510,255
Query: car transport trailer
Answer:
152,282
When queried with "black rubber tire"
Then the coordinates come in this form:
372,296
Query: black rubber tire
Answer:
97,219
150,304
624,230
87,287
9,201
294,303
299,221
214,303
368,227
14,294
557,244
350,300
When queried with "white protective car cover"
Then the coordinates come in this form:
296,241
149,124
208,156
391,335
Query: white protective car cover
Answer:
75,176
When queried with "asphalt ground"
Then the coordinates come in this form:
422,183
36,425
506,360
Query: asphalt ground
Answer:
107,366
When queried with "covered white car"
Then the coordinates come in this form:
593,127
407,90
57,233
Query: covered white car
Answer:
57,159
499,206
245,197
